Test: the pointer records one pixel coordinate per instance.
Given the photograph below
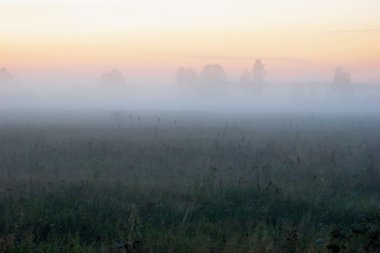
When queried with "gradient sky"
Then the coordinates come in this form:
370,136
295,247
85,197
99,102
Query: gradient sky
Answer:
297,39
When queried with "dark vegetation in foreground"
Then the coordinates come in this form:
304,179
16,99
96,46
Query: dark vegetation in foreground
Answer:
265,185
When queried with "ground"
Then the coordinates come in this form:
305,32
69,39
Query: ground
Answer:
130,182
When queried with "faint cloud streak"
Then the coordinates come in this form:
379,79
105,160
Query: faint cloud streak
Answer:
353,31
288,60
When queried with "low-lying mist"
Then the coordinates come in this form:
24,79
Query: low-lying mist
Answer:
223,168
226,99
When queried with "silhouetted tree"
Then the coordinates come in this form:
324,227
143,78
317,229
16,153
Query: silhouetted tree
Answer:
342,83
341,77
246,77
112,78
186,76
213,74
258,71
5,76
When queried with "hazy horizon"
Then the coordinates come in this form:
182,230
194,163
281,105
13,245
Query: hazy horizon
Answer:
148,40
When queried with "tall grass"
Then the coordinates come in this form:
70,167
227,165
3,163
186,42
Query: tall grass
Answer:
264,185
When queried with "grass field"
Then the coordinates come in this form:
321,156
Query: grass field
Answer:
125,182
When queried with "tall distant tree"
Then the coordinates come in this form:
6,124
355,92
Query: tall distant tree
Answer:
179,75
186,76
258,71
213,74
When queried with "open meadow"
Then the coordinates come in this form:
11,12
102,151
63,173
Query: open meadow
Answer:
127,182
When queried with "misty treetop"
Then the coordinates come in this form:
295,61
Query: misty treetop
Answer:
112,78
341,77
6,76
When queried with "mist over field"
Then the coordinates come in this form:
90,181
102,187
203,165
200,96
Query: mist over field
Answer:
224,98
189,126
222,167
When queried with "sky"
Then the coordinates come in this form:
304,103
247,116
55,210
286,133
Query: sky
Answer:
299,40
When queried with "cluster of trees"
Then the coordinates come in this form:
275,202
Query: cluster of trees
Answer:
215,74
256,74
112,78
186,76
210,74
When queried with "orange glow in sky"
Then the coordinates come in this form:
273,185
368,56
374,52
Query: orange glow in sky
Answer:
297,39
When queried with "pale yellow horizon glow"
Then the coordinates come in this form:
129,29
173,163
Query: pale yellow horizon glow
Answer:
164,34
